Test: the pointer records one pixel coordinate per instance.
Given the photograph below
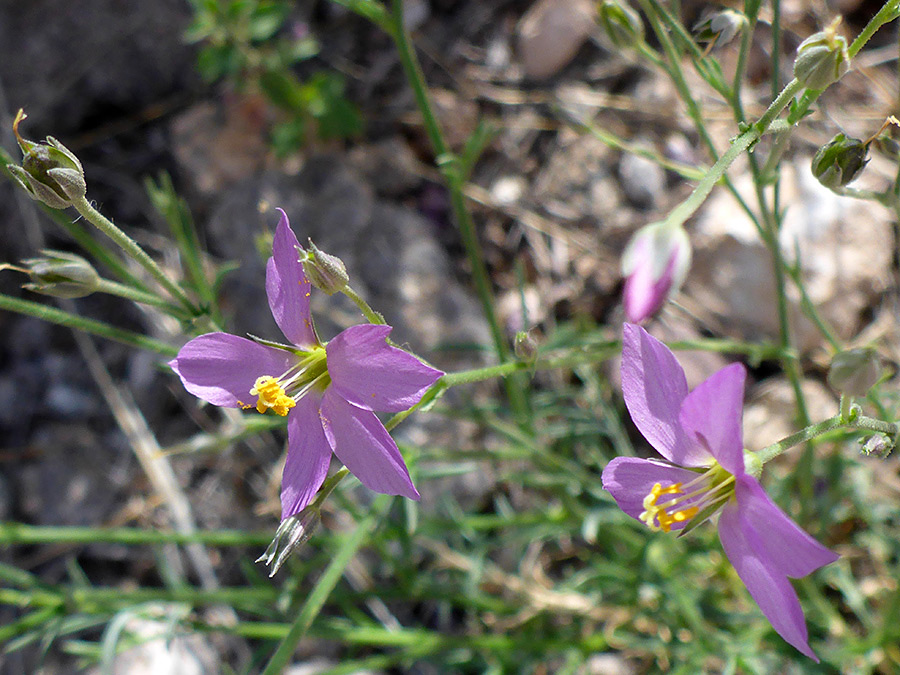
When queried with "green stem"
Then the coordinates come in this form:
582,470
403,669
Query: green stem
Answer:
62,318
371,315
770,452
450,166
131,248
139,296
686,209
319,595
20,533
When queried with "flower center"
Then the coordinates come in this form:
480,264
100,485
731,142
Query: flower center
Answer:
281,393
681,502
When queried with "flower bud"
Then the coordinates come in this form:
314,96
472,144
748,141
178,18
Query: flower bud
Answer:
293,532
62,275
853,372
840,161
720,27
525,346
50,172
325,272
621,24
654,265
878,445
822,58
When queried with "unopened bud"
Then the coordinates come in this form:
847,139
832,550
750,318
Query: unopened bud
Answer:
525,346
655,264
822,58
621,24
840,161
62,275
853,372
878,445
50,172
293,532
720,27
325,272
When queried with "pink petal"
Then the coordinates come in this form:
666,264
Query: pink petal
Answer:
630,479
644,293
769,588
712,415
308,456
654,388
789,549
361,442
371,374
222,368
288,288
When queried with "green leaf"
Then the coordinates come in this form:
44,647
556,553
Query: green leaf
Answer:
267,19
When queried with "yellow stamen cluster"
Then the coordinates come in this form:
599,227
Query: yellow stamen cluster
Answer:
271,396
654,512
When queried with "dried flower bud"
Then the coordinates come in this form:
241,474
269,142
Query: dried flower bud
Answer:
62,275
720,27
654,265
621,24
293,532
50,172
840,161
325,272
525,346
822,58
853,372
878,445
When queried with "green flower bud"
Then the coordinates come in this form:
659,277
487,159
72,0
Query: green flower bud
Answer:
61,274
621,24
853,372
822,58
720,27
325,272
525,346
50,172
840,161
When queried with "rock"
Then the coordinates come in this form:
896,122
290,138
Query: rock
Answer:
642,179
771,411
550,34
606,664
389,166
845,246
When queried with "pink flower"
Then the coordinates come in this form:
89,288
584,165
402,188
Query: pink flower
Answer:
654,265
328,392
699,434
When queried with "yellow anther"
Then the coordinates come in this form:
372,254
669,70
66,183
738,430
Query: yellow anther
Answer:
271,395
655,513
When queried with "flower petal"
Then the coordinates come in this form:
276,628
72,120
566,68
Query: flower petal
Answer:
308,456
767,585
654,388
712,414
288,288
790,550
361,442
371,374
630,479
221,368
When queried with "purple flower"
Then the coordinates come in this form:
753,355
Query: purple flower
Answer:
654,265
699,433
328,392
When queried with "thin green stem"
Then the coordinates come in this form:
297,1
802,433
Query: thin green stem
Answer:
139,296
62,318
862,422
131,248
320,593
450,166
371,315
20,533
